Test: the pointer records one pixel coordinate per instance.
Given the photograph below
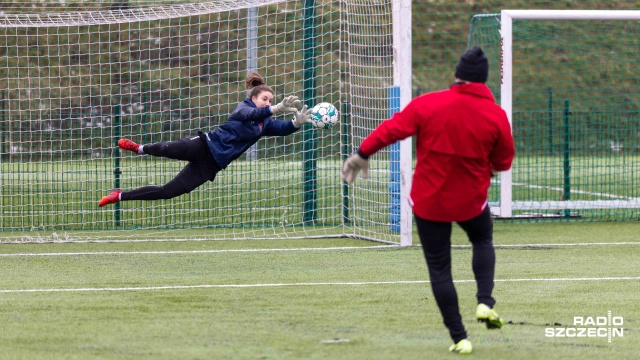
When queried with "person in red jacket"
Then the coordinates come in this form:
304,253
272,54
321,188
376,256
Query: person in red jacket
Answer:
463,139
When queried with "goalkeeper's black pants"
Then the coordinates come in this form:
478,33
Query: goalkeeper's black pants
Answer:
200,169
436,245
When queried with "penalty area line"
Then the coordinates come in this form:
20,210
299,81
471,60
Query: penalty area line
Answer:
355,283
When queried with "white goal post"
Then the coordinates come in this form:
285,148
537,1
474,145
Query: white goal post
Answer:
402,78
507,205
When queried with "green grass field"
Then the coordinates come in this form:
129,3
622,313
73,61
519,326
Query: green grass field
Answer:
313,299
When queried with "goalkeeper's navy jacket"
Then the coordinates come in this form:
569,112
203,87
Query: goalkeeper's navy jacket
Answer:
246,125
461,134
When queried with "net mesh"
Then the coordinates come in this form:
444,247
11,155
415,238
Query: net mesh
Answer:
121,14
73,84
370,68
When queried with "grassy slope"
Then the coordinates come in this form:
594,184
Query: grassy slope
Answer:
440,32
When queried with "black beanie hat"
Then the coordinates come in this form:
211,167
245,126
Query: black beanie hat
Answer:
473,66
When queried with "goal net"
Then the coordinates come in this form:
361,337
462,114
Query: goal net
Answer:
74,83
569,82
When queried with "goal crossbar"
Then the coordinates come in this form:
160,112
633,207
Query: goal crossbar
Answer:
83,18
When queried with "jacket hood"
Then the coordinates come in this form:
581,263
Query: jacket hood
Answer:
474,89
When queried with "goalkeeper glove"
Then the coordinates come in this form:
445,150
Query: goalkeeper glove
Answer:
353,165
287,105
301,117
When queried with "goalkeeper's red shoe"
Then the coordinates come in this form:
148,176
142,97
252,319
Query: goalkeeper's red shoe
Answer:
112,198
128,145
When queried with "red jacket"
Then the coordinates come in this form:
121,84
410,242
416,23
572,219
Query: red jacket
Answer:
461,135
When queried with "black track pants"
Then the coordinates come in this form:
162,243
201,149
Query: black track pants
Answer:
200,169
436,245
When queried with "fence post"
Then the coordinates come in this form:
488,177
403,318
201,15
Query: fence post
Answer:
551,121
345,155
3,153
310,167
117,132
394,150
567,164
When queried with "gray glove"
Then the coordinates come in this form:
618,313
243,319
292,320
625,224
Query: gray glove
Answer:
352,167
287,105
301,117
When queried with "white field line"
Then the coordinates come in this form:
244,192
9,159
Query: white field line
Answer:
175,252
556,245
559,189
355,283
172,252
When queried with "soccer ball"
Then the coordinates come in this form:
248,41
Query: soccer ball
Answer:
324,116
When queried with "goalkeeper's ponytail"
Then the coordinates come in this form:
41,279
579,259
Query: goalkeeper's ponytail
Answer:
254,84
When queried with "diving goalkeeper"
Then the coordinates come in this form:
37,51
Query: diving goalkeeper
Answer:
463,137
208,153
